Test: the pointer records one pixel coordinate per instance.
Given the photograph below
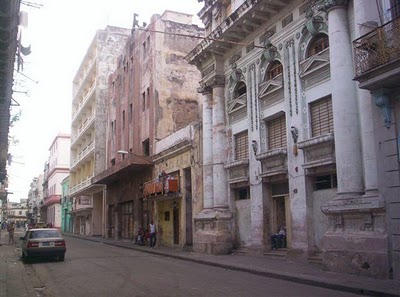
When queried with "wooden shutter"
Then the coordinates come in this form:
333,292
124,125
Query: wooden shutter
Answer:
241,146
321,117
277,133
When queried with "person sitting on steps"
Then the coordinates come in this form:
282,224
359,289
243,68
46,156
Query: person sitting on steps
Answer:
278,239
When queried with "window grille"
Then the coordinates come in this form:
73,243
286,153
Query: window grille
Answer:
274,70
321,117
318,44
240,90
277,133
241,146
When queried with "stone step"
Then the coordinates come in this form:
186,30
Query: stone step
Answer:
279,254
315,259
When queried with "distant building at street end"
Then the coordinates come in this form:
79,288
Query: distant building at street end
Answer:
56,169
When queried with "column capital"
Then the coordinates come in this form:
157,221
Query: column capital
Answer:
328,5
204,89
217,80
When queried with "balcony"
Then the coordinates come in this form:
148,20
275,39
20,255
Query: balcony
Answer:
82,155
377,56
161,186
80,186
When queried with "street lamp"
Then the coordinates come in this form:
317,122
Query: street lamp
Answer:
121,152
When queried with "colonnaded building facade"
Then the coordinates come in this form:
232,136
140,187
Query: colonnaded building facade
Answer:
289,132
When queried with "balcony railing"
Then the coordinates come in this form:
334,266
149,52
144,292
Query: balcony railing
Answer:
161,186
377,48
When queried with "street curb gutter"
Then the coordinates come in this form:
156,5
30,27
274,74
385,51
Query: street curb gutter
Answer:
287,277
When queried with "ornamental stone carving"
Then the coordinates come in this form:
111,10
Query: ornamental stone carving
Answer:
381,99
328,5
314,24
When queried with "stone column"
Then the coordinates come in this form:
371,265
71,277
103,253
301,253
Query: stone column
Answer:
354,242
219,144
362,16
344,101
207,150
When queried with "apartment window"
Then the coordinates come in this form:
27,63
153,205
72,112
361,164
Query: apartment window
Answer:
123,120
241,193
143,101
274,70
130,113
146,147
318,44
148,97
240,89
241,146
321,117
328,181
277,133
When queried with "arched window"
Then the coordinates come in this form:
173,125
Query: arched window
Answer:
240,90
274,69
318,44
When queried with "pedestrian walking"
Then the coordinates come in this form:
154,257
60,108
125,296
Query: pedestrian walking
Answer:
11,229
153,234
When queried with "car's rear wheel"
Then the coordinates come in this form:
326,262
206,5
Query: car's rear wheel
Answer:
24,258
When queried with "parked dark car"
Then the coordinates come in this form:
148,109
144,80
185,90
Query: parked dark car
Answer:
44,243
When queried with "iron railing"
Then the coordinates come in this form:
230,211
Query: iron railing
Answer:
377,48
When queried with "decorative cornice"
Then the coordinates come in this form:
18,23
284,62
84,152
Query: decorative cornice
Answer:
316,140
272,153
328,5
237,163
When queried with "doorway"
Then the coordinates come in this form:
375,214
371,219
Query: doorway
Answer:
176,225
281,209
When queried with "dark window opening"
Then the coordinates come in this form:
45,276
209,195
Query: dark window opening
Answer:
146,147
274,70
240,90
318,44
166,216
242,193
112,161
323,182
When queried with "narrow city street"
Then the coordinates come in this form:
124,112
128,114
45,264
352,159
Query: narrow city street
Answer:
95,269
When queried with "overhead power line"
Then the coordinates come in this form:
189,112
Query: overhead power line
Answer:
201,37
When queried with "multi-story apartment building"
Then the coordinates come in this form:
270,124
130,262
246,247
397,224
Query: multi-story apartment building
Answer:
88,127
288,137
17,212
35,197
56,169
151,149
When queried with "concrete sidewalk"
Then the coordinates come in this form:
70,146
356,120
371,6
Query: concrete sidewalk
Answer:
14,279
303,273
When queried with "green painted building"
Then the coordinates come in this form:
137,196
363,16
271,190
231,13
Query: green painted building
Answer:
66,207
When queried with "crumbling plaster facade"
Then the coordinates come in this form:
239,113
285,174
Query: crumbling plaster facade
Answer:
152,96
280,67
88,126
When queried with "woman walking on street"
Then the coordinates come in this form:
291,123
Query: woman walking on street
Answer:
10,229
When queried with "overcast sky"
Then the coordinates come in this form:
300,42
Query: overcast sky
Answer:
59,33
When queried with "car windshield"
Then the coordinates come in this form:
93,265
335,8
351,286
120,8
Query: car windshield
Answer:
44,234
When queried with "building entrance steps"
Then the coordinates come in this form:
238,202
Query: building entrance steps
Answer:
305,273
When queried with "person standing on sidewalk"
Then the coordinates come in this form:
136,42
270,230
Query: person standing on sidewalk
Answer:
153,234
10,229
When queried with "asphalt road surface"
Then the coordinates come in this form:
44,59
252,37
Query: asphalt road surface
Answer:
99,270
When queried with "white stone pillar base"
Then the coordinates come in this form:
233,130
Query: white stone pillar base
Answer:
360,254
213,232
